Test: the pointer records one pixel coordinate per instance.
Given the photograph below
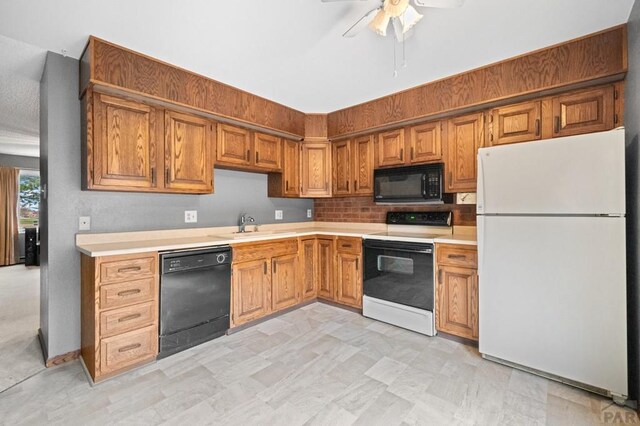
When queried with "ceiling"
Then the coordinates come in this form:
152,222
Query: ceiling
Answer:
289,51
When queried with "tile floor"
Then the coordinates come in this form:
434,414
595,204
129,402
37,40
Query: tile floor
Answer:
318,365
20,354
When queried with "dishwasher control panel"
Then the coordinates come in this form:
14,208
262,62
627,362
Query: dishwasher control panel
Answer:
202,258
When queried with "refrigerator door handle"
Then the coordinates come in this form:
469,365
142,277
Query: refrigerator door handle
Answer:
480,186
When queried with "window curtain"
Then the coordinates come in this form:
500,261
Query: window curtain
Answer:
8,215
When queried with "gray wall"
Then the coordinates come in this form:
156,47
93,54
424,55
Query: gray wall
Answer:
236,192
632,125
19,161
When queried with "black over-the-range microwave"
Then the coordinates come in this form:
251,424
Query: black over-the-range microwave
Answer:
421,184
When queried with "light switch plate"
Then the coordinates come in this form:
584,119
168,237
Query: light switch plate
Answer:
309,213
84,223
190,216
278,214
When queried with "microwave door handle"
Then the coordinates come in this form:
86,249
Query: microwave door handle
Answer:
424,185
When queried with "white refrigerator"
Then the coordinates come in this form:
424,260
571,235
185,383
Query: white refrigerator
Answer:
551,251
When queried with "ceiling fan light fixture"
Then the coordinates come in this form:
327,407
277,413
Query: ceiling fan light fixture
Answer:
395,8
409,18
380,23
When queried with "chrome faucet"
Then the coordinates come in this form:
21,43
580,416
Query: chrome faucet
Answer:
244,219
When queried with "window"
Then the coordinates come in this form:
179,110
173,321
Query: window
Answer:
29,199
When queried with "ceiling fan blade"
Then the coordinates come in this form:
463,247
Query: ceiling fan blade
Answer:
361,24
439,3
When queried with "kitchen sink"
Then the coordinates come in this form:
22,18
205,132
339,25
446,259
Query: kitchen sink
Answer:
252,234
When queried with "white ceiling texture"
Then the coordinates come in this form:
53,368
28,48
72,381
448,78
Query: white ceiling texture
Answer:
290,51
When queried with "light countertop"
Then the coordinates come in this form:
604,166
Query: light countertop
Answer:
109,244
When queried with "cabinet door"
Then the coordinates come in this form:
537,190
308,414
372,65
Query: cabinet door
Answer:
391,148
426,143
362,154
284,277
457,301
325,268
341,167
188,164
316,169
124,144
308,269
267,151
348,279
291,168
464,137
583,112
251,291
515,123
233,146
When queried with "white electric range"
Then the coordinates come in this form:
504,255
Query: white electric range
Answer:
399,273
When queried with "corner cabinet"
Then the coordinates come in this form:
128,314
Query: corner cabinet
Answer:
134,146
353,167
457,290
315,169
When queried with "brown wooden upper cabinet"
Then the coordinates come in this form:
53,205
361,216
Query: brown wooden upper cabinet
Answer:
239,148
188,152
341,167
464,137
515,123
315,169
125,149
267,151
233,146
362,171
353,167
391,148
287,183
425,143
585,111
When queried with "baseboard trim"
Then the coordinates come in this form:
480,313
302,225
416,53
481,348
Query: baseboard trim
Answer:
463,340
339,305
56,360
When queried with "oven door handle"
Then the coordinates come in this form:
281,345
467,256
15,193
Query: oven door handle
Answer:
425,251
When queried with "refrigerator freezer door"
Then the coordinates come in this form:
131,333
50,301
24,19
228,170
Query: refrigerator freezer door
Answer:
573,175
553,296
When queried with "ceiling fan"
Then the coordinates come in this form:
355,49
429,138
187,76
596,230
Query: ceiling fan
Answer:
400,13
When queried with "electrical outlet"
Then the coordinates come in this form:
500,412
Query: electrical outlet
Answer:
278,214
190,216
84,223
309,213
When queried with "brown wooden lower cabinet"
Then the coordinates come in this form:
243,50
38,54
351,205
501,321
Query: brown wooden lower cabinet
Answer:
119,296
285,289
457,290
325,268
308,268
340,270
349,281
250,289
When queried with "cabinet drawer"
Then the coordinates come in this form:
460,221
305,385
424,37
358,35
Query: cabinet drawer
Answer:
249,251
128,318
127,269
127,293
127,349
457,255
349,245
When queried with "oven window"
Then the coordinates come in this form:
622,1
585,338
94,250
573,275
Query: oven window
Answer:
399,265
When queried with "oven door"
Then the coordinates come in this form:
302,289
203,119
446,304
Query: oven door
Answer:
399,272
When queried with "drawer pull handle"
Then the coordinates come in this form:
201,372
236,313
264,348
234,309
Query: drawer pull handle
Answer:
129,269
457,256
346,245
129,292
129,347
129,317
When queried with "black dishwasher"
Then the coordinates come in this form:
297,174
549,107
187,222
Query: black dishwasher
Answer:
195,296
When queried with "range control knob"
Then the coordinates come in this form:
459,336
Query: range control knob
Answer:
221,258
